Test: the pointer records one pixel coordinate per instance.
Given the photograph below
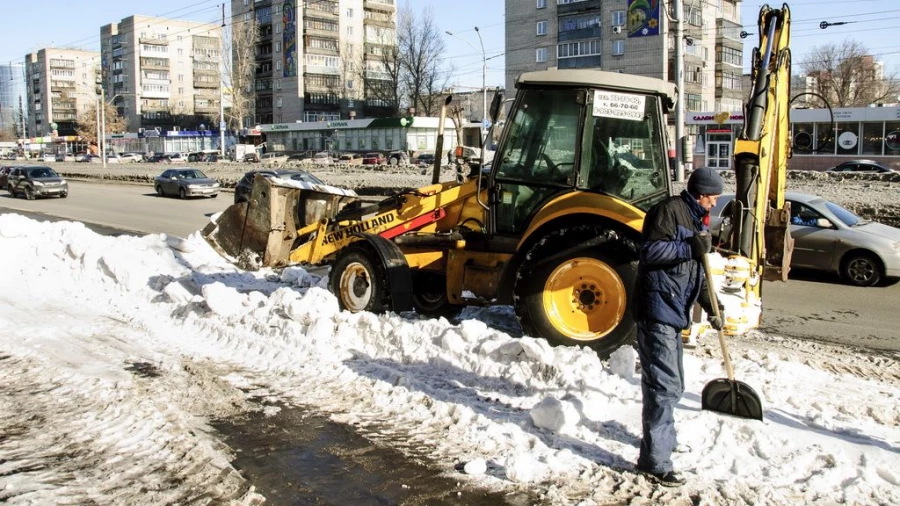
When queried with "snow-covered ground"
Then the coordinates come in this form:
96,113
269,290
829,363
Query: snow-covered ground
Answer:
115,353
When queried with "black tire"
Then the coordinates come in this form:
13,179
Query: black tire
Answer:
63,195
29,193
430,296
11,190
182,194
861,269
581,298
214,195
357,279
159,191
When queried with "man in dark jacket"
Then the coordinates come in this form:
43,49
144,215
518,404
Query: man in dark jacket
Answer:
670,281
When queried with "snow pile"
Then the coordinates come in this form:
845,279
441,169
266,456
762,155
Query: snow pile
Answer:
121,347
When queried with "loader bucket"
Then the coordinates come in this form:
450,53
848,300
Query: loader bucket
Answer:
263,231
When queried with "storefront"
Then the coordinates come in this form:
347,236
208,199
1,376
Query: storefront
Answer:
167,141
418,134
820,139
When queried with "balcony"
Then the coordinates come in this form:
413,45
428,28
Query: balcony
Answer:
153,40
205,83
322,8
383,5
587,5
155,63
206,109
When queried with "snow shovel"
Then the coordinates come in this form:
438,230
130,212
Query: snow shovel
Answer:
728,396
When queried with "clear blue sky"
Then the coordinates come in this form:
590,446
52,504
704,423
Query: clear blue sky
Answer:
63,24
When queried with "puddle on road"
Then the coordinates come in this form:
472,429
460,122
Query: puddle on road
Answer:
300,458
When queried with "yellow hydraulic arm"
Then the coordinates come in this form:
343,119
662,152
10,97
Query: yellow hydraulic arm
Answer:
760,220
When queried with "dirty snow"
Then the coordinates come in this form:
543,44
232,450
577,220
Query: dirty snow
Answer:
115,353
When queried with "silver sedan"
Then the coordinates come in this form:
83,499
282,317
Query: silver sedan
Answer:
830,238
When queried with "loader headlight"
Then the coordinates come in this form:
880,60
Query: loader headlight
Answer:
37,183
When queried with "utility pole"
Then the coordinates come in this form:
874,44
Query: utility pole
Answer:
679,83
102,126
483,91
222,88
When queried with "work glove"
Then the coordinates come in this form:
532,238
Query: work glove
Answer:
717,322
701,244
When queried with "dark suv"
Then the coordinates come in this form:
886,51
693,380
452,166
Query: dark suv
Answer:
245,185
36,181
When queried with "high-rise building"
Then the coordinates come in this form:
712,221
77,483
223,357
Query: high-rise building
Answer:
633,37
60,84
12,98
163,73
313,61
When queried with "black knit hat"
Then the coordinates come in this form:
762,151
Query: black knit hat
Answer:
705,181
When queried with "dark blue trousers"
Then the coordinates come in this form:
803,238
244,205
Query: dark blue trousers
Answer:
662,383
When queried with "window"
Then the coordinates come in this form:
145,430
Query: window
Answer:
540,55
618,47
618,18
349,30
541,4
579,48
350,13
278,47
278,65
542,28
694,102
579,22
278,102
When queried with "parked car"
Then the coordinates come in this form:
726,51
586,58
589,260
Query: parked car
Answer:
867,166
34,181
274,158
322,158
197,156
425,160
4,174
82,157
130,157
185,182
398,158
48,157
373,159
250,158
828,237
212,158
350,158
65,157
243,188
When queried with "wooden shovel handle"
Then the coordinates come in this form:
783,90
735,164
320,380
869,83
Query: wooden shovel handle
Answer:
714,302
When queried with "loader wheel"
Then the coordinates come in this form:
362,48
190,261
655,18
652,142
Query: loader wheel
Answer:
579,299
357,280
430,296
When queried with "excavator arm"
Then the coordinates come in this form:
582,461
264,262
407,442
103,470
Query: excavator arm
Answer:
760,231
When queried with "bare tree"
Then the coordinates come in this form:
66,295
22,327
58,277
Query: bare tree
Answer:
86,127
848,76
240,70
421,47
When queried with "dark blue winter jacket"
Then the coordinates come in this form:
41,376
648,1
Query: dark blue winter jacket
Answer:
669,280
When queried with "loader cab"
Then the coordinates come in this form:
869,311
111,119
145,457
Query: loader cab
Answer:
581,131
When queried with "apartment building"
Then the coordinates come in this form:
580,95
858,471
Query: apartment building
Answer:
163,74
633,37
316,61
60,86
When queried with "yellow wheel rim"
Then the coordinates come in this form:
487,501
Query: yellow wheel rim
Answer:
584,299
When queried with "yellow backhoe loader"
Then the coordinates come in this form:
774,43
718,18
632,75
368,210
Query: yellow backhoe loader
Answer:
550,226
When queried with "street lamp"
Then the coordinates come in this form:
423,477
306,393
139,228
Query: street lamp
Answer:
483,79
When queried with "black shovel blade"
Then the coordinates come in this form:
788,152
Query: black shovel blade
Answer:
732,397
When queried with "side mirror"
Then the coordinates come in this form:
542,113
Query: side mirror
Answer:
823,223
495,105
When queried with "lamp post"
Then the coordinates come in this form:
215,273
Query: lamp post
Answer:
483,79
